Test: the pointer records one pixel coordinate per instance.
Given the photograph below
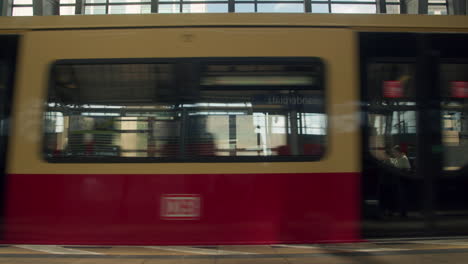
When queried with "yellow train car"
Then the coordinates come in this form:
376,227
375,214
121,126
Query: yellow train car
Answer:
231,128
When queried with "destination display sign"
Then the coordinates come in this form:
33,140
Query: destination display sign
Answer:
459,89
393,89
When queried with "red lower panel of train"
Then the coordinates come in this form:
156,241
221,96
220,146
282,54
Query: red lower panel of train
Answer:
182,209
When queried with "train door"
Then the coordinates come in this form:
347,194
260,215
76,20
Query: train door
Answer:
392,196
414,93
450,209
8,48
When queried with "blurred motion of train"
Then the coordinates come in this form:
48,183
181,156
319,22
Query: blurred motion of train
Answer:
232,128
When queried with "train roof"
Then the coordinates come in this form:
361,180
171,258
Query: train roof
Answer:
358,21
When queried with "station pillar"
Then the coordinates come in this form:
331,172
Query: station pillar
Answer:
457,7
414,7
46,7
5,7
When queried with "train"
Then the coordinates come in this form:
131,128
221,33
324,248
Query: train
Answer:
207,129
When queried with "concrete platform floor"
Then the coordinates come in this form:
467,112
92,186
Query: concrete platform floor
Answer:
411,251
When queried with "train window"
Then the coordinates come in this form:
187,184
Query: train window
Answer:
454,84
185,110
392,111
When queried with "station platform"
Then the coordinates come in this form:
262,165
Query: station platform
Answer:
412,251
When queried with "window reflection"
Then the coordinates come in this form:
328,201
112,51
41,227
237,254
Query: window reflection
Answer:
168,110
21,7
281,8
393,9
454,83
22,2
392,113
95,10
22,11
130,9
353,8
437,9
67,10
320,8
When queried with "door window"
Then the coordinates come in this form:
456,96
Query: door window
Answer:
391,111
454,88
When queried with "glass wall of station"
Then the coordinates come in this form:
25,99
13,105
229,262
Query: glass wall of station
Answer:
100,7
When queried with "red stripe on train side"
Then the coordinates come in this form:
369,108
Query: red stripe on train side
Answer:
232,208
